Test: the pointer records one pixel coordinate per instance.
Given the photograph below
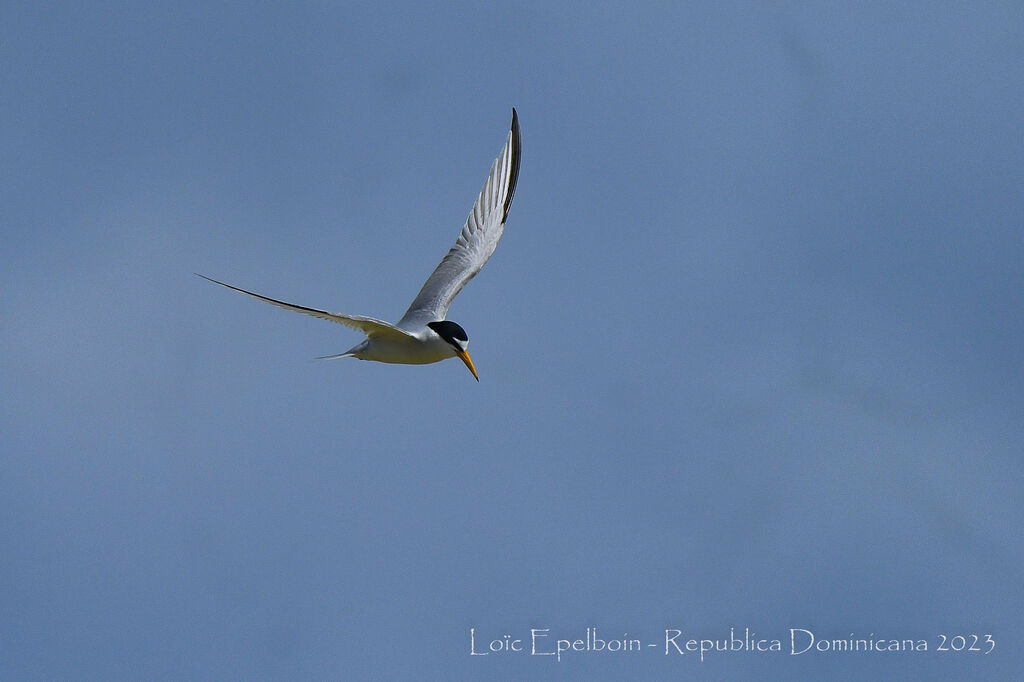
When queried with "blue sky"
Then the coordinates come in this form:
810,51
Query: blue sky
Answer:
750,349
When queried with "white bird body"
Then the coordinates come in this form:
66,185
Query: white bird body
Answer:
423,335
421,348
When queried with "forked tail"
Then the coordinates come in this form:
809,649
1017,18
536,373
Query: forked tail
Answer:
335,357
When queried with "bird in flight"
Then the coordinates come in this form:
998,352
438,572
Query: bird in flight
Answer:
423,335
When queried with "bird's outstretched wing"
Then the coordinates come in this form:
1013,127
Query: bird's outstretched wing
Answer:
477,242
367,325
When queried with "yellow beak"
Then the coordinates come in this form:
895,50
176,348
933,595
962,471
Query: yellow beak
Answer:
464,356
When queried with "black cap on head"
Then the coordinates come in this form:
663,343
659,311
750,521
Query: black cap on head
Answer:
450,332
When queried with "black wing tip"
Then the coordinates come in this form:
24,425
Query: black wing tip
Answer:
517,150
210,279
224,284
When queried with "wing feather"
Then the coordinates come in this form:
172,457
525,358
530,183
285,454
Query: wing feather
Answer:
477,241
368,325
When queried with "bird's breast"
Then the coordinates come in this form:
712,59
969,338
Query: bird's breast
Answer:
411,351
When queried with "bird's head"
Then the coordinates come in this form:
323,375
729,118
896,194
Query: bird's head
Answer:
455,336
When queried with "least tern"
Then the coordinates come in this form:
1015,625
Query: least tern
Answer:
423,335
